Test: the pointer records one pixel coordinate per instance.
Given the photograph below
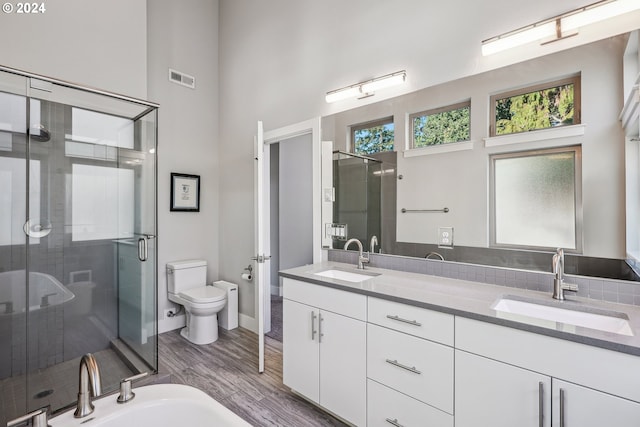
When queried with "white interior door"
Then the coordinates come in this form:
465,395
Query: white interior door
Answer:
260,225
262,208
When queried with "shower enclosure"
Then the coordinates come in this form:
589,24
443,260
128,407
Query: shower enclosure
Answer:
77,239
357,182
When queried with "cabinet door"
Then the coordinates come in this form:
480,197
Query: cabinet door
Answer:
343,368
490,393
300,352
583,407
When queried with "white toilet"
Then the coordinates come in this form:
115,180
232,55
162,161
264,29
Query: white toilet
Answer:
187,286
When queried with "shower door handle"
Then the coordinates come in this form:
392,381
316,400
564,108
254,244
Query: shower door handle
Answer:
143,246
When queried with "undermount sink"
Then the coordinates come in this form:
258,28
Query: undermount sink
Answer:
559,315
347,276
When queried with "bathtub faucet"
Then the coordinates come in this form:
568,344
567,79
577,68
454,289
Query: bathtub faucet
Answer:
44,301
89,385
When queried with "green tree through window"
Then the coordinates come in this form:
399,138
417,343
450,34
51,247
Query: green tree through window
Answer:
442,126
536,109
373,138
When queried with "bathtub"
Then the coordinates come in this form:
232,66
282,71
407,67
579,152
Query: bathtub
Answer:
158,405
44,291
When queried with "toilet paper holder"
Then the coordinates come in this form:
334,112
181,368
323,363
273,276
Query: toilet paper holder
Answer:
249,275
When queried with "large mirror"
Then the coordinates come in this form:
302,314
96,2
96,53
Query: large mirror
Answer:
479,193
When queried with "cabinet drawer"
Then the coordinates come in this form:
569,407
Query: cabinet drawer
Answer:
385,406
417,321
341,302
419,368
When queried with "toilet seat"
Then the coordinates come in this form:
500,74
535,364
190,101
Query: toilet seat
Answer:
203,295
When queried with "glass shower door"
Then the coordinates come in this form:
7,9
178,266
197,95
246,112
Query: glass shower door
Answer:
13,258
137,256
94,197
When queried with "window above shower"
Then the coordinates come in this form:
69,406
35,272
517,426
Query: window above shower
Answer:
373,137
97,136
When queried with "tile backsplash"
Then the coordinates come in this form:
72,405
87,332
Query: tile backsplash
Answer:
618,291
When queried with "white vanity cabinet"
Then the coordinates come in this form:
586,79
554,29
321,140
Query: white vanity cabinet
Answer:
507,377
409,368
324,347
378,362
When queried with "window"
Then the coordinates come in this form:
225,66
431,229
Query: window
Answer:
102,202
373,137
441,126
536,107
536,199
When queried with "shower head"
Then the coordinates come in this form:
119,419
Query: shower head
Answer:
40,133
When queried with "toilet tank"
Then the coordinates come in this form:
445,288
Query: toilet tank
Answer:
183,275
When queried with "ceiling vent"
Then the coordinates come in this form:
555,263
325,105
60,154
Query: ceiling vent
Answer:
182,78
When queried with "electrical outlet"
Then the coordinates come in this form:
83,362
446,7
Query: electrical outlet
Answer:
445,237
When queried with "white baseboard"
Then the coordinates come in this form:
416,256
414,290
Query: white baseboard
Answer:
247,322
170,323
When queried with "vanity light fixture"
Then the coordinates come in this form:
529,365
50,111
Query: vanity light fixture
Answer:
559,27
367,88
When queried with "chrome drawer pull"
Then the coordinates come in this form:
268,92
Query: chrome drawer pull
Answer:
540,404
400,365
313,325
400,319
562,407
394,422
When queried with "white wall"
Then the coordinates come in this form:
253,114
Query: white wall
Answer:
279,58
296,203
91,42
183,36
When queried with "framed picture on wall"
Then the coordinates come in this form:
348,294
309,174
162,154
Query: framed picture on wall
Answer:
185,192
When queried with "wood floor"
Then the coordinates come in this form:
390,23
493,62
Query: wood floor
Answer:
227,370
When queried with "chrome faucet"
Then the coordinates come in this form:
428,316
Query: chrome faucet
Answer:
361,258
37,418
89,385
126,394
372,244
557,266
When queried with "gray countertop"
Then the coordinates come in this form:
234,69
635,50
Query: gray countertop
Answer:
474,300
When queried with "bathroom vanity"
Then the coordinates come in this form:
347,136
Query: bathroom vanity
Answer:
380,347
